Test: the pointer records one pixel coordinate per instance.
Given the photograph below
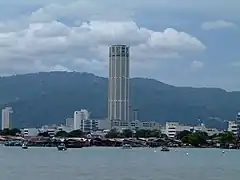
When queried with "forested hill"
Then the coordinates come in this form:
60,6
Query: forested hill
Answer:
49,98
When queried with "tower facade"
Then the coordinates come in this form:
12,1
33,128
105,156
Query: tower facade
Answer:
118,85
7,118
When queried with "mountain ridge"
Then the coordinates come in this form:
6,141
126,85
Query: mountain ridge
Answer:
50,97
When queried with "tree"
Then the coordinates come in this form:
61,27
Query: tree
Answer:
164,136
76,133
44,134
61,134
140,133
195,139
145,133
155,133
180,135
226,138
127,133
14,131
10,132
5,132
113,133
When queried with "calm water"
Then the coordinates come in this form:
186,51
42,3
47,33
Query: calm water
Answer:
118,164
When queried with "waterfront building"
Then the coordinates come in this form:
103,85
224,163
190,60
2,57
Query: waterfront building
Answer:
82,122
30,132
102,124
7,118
135,125
171,129
233,126
118,89
51,130
80,117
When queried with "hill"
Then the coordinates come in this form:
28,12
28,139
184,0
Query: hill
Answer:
49,98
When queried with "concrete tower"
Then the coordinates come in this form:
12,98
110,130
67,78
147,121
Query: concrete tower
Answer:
7,118
118,90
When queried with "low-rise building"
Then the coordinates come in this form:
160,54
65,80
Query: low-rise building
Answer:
30,132
171,129
234,127
134,125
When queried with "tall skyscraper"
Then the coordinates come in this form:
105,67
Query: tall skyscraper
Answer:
118,91
7,118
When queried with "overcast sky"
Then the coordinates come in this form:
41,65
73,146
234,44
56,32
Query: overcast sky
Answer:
183,43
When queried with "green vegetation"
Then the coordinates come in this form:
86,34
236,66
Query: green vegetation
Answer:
61,134
74,133
227,138
54,96
199,139
10,132
44,134
113,133
196,139
142,133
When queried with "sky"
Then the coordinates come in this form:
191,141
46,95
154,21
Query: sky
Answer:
183,43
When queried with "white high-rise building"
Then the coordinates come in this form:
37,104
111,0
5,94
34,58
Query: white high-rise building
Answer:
118,89
7,118
80,119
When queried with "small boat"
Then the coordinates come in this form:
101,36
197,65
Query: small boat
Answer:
165,148
24,146
126,146
62,147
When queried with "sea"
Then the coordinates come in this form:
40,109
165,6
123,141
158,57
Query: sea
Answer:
95,163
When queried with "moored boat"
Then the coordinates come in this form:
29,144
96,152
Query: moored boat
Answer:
24,146
165,148
62,147
126,146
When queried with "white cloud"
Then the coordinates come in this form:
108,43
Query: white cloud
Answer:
196,65
45,46
220,24
84,9
60,68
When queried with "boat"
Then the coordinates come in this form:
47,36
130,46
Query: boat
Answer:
126,146
62,147
13,143
165,148
73,144
24,146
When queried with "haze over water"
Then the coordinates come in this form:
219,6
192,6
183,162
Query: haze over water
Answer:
118,164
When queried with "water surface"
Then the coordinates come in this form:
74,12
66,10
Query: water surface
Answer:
118,164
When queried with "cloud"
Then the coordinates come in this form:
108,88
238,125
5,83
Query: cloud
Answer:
45,46
236,64
220,24
73,36
196,65
84,9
